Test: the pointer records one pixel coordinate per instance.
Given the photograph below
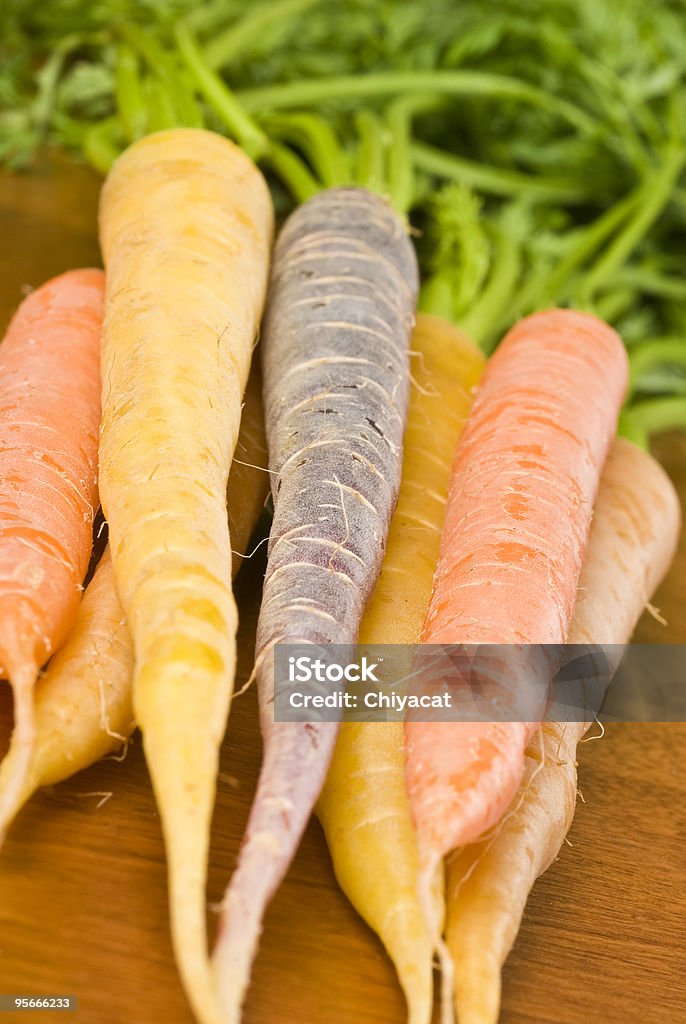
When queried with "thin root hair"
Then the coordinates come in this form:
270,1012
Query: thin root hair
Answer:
598,735
104,795
239,554
251,465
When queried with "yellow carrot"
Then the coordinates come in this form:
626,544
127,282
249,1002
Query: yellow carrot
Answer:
364,807
83,702
632,541
185,226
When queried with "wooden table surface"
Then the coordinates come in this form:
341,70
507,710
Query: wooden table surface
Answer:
82,887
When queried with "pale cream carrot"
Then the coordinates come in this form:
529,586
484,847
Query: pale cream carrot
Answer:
633,538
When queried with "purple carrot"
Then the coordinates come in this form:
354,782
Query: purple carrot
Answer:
336,380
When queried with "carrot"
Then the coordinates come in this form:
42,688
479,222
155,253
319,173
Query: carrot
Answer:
335,363
632,541
49,416
83,705
83,702
185,226
524,480
363,806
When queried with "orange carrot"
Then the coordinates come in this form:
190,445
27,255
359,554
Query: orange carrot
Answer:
49,419
524,481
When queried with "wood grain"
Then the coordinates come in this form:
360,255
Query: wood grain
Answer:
82,887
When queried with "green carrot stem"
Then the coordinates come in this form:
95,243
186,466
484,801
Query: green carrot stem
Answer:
217,93
400,167
656,193
487,313
436,296
161,110
49,75
612,304
624,109
100,144
495,180
318,141
607,87
652,416
676,116
292,172
131,104
549,287
402,179
233,41
187,83
48,79
369,170
350,88
180,97
633,431
205,18
651,282
655,352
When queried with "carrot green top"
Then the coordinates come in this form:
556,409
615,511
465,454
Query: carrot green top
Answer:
554,179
